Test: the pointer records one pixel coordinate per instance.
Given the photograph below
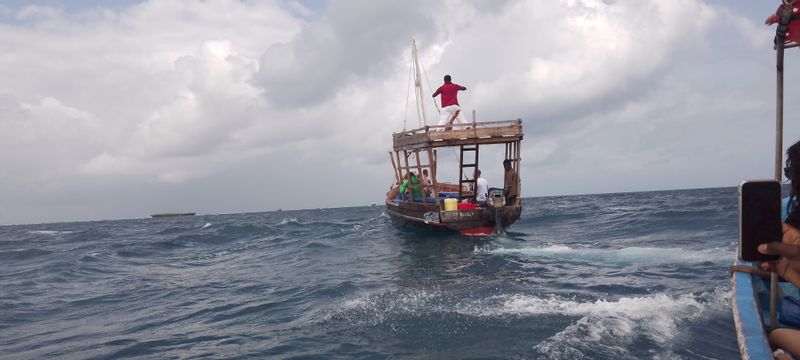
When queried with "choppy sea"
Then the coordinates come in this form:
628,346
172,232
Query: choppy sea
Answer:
615,276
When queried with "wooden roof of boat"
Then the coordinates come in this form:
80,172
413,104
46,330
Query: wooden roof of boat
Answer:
487,132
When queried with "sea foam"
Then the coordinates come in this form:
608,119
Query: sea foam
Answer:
621,256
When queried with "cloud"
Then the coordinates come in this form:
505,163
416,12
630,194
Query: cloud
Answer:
245,98
354,42
42,141
165,79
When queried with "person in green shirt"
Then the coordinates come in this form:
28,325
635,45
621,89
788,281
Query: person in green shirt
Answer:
416,190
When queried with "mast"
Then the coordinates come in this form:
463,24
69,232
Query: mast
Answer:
418,85
780,37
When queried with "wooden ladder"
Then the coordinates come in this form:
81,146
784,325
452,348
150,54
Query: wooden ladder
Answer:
463,164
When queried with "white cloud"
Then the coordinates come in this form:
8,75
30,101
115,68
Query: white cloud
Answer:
42,141
168,95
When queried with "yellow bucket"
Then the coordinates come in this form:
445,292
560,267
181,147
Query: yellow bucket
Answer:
450,204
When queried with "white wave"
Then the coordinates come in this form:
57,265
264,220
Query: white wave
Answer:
374,309
600,327
288,221
50,232
616,325
623,256
208,224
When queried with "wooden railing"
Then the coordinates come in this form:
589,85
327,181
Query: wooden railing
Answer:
451,135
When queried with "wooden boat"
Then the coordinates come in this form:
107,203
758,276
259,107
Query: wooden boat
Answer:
416,151
755,300
751,312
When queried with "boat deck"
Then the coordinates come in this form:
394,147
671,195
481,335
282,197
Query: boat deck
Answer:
489,132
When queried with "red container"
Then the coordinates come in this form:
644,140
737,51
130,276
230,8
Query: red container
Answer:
467,206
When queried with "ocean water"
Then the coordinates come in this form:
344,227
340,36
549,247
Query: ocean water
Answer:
614,276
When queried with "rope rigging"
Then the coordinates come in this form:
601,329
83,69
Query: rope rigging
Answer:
418,72
408,94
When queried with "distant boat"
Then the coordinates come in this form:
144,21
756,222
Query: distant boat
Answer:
171,214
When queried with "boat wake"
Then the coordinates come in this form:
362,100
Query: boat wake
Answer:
611,328
610,256
608,328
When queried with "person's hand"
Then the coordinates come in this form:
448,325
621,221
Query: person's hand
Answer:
781,355
771,20
788,266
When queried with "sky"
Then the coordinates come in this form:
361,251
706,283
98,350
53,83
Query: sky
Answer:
138,107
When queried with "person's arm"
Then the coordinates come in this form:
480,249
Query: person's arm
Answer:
403,187
774,18
788,266
785,339
438,91
416,189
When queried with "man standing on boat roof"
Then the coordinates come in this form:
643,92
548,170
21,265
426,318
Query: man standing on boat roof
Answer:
451,111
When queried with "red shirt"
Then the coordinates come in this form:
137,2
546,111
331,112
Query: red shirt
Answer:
449,93
793,33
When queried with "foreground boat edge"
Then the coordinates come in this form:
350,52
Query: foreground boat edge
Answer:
750,331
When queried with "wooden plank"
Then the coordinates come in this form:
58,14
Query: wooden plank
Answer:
423,137
411,139
432,166
457,142
477,133
749,325
397,168
394,167
419,175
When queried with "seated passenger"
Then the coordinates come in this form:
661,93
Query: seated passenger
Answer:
393,193
426,182
788,266
413,181
482,189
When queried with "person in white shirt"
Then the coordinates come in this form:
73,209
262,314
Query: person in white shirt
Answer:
425,179
482,188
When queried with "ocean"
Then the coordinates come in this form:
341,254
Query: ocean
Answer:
613,276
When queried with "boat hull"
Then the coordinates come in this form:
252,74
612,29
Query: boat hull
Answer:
751,312
747,310
480,221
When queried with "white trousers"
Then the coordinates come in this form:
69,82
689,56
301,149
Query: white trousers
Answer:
447,113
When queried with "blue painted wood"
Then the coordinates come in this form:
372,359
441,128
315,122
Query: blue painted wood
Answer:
750,331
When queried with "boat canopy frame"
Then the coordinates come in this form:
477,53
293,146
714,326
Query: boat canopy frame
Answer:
407,146
475,133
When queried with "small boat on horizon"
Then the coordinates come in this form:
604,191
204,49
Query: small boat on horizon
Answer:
160,215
